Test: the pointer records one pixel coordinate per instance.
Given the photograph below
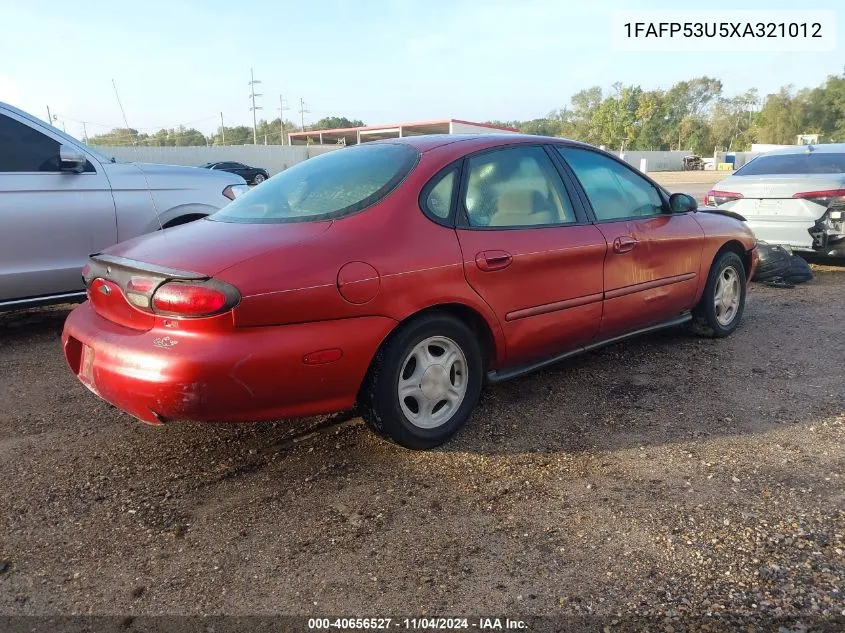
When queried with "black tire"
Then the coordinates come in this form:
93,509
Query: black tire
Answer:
774,262
258,179
706,322
799,271
379,398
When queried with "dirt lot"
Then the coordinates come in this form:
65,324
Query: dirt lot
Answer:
666,475
695,183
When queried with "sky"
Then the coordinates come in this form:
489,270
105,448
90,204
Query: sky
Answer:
383,61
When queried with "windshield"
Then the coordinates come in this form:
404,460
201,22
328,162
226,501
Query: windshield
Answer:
806,163
328,186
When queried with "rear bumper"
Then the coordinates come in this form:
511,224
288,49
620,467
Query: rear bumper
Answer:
237,375
785,233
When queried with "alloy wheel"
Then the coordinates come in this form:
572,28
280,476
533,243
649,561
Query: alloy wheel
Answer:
432,382
727,295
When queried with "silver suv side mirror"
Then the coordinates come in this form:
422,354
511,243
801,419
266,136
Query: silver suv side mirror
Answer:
71,159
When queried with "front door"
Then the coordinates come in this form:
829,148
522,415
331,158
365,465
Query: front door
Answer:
529,252
50,221
653,256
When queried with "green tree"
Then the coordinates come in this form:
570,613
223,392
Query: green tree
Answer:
117,136
731,121
334,122
781,118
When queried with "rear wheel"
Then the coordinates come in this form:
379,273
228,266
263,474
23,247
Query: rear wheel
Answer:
723,302
424,382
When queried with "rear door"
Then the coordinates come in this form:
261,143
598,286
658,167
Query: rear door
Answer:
653,256
530,252
50,221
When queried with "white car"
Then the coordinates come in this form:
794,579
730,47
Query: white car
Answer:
61,201
794,197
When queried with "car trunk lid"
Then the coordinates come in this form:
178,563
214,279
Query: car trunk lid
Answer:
778,187
209,246
122,280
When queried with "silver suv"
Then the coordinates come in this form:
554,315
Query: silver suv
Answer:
61,201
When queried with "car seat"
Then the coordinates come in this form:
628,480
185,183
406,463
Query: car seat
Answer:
522,207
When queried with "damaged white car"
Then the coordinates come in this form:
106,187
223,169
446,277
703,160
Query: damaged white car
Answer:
794,197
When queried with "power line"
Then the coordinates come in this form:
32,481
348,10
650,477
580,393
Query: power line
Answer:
302,112
282,109
252,95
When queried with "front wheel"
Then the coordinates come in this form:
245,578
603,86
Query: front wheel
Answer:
424,382
720,310
259,178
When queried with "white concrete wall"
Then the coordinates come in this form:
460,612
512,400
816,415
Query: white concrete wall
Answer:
466,128
276,158
740,158
657,161
766,147
273,158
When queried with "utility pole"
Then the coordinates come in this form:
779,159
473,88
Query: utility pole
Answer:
302,112
252,96
49,116
84,133
222,129
282,109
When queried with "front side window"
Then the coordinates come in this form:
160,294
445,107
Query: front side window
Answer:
615,192
328,186
514,187
23,149
785,164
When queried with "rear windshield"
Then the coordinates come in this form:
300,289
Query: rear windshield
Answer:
328,186
806,163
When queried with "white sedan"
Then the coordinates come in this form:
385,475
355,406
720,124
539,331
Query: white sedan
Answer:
794,197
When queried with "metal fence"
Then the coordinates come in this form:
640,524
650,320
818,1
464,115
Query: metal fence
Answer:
273,158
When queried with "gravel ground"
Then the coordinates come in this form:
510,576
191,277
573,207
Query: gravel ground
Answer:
669,476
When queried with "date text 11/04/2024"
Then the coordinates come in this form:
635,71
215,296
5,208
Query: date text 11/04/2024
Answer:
411,624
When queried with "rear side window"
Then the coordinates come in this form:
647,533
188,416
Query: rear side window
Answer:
515,187
615,192
328,186
438,202
24,149
806,163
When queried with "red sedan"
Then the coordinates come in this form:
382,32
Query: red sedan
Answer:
399,276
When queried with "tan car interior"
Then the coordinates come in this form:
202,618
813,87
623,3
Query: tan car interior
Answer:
514,193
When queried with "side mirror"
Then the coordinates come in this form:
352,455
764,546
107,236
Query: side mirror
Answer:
682,203
71,159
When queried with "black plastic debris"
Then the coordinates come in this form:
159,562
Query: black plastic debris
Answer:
780,268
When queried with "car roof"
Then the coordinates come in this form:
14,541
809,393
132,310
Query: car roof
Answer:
823,148
472,142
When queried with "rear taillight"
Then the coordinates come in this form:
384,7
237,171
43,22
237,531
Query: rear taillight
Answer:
194,299
235,191
831,199
138,291
716,198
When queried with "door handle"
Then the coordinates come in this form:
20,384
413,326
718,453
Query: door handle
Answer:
624,244
489,261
